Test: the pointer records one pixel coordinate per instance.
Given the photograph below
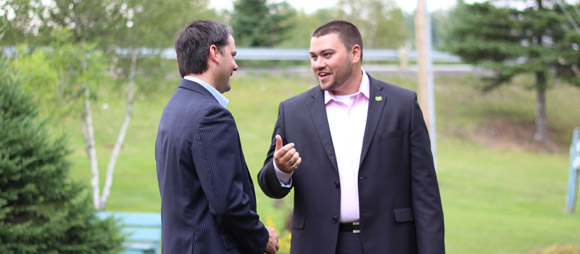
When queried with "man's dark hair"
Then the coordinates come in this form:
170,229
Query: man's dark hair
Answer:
193,42
348,34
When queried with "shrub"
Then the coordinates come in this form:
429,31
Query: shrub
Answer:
41,210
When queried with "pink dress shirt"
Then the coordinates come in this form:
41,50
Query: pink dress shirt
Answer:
347,117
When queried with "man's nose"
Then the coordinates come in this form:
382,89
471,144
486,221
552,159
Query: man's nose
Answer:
318,63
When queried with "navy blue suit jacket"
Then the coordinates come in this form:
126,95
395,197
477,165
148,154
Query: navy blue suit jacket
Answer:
400,205
208,203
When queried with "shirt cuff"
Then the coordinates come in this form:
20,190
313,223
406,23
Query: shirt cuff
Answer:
284,178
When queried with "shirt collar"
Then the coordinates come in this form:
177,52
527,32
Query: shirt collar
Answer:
364,89
222,100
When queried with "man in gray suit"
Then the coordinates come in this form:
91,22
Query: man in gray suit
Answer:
356,151
208,204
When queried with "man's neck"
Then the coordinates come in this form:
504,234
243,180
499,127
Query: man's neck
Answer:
205,77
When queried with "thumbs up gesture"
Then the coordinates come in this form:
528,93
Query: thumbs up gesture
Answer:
286,157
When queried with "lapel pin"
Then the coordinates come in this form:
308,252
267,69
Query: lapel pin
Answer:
378,98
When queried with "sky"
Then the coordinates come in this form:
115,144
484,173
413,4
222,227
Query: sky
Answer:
310,6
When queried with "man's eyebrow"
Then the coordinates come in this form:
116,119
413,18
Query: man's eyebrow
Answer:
323,51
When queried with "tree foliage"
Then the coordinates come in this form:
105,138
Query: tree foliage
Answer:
41,211
90,21
257,23
56,76
34,21
91,41
536,40
381,22
152,25
304,25
439,27
16,17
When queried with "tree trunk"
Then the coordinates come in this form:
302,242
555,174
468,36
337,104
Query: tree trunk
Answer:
122,133
89,137
541,84
541,116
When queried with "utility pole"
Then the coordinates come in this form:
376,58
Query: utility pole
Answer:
425,69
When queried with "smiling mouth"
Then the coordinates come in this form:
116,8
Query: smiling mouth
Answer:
323,75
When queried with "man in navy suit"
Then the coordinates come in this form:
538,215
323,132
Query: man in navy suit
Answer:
364,180
208,204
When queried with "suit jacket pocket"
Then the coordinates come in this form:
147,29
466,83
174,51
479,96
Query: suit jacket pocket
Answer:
298,222
392,135
229,242
404,214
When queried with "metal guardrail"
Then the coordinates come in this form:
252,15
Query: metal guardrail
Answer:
302,55
283,54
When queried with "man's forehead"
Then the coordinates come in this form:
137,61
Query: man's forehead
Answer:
329,41
231,43
231,40
328,36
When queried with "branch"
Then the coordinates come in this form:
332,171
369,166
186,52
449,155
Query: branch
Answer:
89,137
122,132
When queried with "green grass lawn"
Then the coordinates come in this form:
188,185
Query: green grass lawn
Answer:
496,198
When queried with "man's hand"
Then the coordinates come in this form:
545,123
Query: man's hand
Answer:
272,246
287,158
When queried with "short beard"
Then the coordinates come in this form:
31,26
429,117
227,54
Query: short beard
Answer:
340,79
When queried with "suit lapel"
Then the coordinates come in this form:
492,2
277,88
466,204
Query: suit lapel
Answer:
377,102
320,120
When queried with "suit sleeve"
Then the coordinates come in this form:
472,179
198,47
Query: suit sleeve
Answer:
269,182
218,161
425,190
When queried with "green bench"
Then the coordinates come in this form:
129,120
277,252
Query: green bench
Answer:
143,231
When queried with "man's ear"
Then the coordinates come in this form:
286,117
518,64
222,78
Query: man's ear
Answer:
213,52
356,53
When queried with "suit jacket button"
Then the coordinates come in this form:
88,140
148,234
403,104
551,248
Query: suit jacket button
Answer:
336,185
334,219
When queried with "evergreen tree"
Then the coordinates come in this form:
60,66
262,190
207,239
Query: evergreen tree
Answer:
259,24
537,40
41,211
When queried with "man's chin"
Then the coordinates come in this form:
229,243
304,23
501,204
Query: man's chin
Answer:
325,86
